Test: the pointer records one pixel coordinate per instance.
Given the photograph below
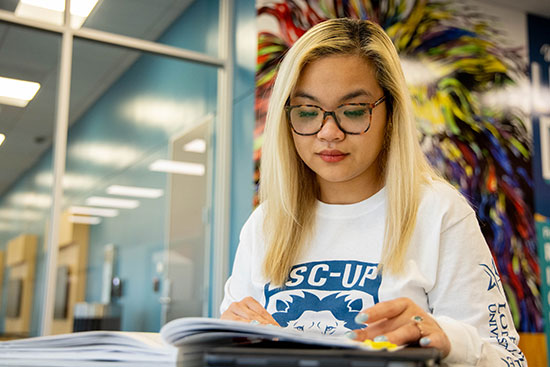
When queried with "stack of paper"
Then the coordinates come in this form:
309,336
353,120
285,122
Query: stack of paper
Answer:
187,335
91,345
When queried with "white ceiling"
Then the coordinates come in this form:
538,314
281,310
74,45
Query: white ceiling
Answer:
32,55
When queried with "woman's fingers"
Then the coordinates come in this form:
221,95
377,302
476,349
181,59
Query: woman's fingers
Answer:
384,317
373,330
427,336
264,317
437,340
384,310
248,310
401,321
405,334
244,310
228,315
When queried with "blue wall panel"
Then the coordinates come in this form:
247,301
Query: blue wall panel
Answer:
242,182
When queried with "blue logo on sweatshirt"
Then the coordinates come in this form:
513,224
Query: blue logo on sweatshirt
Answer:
324,296
494,278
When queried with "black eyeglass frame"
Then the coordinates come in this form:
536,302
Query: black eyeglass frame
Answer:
370,106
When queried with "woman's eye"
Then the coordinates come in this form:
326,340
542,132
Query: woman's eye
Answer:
301,328
355,113
307,114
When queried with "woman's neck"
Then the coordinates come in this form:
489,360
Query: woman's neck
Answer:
348,192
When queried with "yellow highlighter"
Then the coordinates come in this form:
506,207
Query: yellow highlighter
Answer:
380,345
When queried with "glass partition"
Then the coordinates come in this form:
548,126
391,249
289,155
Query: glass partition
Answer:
159,21
136,185
29,62
134,231
143,19
187,252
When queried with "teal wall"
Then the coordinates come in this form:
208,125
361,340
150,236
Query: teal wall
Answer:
242,182
116,120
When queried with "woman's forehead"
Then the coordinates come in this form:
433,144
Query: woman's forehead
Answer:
337,76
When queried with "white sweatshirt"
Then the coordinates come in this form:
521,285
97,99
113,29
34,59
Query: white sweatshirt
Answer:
449,273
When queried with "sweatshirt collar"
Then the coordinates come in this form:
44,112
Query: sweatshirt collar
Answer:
352,210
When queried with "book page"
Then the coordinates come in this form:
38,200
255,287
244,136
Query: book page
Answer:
177,333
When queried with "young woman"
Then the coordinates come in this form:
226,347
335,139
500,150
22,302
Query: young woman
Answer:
355,233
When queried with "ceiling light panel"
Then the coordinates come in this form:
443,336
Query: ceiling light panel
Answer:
16,92
2,138
31,199
21,214
112,202
84,219
101,212
141,192
51,11
195,146
184,168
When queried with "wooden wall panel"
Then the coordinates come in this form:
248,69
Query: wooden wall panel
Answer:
73,253
21,261
533,345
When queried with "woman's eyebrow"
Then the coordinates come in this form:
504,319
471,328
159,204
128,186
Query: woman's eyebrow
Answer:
347,97
357,93
301,94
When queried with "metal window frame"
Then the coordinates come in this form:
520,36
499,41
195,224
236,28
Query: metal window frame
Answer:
222,135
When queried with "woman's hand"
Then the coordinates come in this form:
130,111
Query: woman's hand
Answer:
401,321
248,310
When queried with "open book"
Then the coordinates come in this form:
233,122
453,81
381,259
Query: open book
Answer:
175,338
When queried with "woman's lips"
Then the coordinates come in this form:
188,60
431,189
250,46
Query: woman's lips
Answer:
332,155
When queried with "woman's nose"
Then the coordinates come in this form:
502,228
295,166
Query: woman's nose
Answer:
330,130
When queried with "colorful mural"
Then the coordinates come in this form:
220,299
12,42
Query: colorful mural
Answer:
453,61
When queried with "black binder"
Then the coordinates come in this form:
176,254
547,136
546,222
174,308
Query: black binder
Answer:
248,352
272,357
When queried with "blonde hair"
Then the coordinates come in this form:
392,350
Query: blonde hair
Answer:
288,188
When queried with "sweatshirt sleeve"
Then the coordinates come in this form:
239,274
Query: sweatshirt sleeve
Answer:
239,284
469,303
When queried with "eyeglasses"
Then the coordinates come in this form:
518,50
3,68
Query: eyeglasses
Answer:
351,118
